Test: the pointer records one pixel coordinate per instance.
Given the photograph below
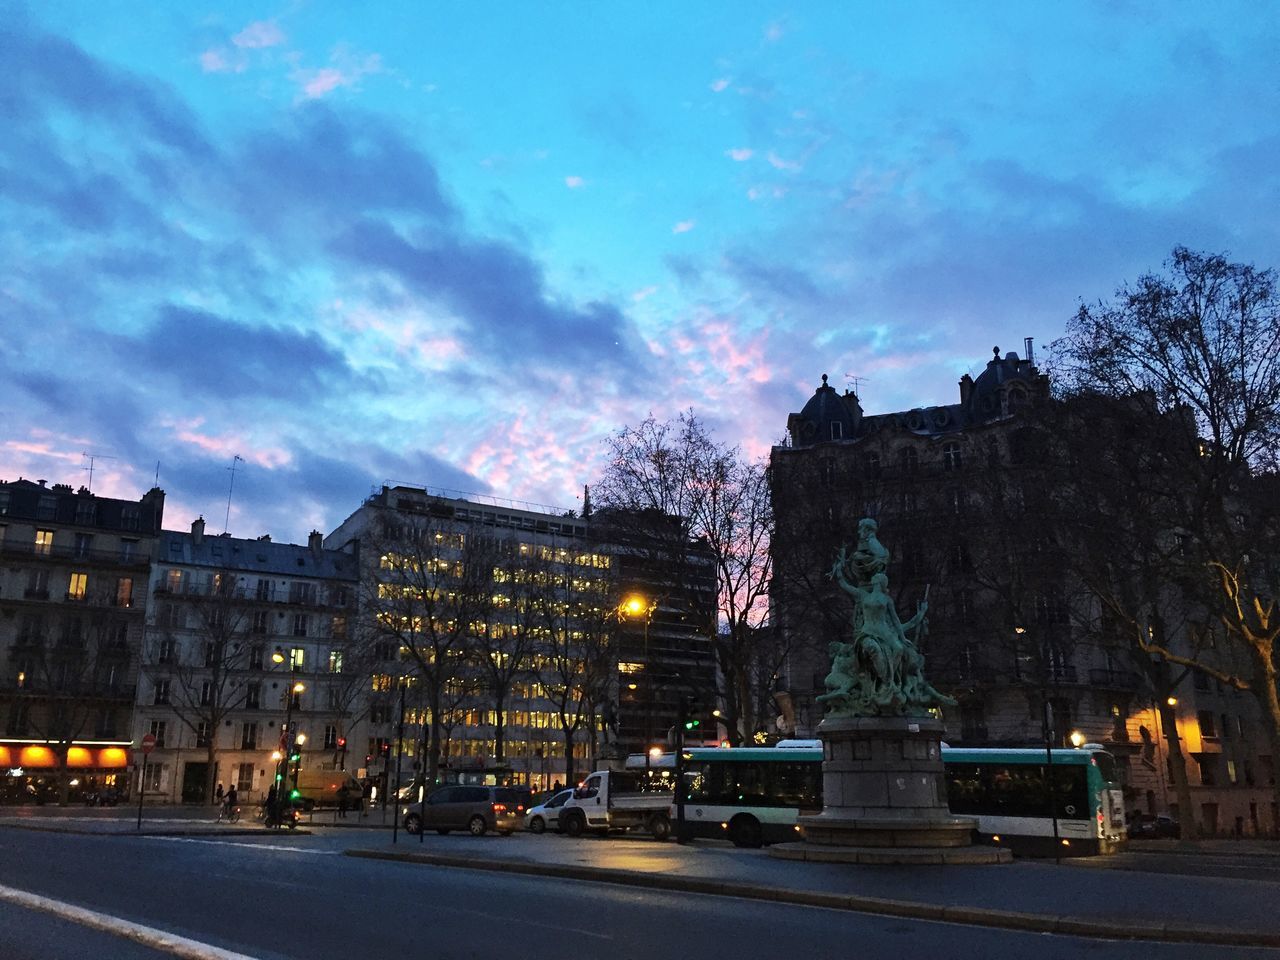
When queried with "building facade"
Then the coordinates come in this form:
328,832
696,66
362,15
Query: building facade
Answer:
959,492
73,577
538,642
243,637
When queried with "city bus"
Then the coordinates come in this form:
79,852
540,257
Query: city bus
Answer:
756,795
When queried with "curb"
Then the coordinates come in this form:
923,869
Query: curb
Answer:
217,832
970,916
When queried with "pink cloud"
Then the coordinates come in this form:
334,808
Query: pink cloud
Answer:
345,72
213,61
259,34
778,163
684,226
720,85
740,154
573,183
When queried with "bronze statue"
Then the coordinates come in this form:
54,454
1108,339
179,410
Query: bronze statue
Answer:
881,673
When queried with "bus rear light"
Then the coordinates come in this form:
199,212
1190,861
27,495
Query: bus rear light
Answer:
499,808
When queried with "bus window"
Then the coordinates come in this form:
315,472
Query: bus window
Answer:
797,785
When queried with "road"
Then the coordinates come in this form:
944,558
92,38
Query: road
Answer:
275,897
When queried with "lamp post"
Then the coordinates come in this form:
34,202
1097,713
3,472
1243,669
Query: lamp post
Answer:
287,738
634,606
1046,732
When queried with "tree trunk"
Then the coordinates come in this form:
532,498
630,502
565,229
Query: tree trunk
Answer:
1178,771
499,731
568,757
211,768
433,751
64,775
1268,696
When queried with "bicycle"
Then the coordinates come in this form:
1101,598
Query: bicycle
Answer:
229,814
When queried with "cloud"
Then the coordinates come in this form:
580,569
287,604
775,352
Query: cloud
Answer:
774,32
778,163
740,154
684,226
573,183
644,293
258,35
215,61
720,85
345,70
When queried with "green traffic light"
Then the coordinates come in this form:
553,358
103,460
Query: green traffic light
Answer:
294,794
690,724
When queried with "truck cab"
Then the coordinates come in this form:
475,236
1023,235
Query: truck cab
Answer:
618,800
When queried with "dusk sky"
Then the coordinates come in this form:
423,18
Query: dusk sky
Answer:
458,244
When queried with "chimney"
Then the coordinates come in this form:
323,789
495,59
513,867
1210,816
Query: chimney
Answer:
197,530
966,388
1026,342
315,540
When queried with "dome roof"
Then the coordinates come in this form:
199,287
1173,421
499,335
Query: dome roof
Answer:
827,416
984,399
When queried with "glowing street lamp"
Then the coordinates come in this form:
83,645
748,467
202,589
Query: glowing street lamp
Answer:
1077,739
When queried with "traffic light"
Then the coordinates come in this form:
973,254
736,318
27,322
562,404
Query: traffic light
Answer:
692,724
295,793
342,743
295,754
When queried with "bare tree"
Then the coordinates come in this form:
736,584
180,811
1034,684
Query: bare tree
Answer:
1193,356
196,658
720,509
432,583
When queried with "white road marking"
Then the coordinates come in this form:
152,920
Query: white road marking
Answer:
251,846
147,936
507,919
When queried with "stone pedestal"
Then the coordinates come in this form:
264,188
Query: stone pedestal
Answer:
885,798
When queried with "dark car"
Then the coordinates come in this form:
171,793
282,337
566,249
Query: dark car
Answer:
474,809
1147,827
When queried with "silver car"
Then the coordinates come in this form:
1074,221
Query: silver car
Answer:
545,815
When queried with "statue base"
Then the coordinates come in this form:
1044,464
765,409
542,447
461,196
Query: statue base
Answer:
885,798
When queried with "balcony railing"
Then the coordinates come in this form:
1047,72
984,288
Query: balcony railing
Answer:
1114,679
114,558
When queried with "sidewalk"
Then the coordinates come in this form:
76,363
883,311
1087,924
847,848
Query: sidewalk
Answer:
1026,895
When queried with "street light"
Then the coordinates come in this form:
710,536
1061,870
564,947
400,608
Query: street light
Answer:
636,605
1046,731
1077,739
288,745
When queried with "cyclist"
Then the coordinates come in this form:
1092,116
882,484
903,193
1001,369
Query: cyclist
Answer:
228,811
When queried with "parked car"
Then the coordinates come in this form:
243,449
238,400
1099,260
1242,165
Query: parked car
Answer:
547,814
327,788
1145,826
474,809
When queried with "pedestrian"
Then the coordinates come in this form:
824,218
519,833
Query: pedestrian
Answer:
217,795
272,814
343,795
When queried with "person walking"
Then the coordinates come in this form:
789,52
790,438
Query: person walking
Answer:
344,795
217,794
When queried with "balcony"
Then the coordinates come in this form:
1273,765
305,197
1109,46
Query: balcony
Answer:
1114,679
71,553
33,594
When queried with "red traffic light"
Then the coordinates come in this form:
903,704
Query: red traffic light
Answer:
342,742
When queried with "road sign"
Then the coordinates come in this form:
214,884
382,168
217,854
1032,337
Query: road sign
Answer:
148,743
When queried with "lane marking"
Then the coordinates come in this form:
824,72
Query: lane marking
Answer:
251,846
504,918
147,936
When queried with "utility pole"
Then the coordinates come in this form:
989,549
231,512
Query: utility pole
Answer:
226,523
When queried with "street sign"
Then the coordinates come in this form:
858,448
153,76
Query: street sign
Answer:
148,743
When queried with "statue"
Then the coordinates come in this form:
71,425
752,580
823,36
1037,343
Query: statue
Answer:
881,672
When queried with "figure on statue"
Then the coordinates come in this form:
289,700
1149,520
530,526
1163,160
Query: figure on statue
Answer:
881,672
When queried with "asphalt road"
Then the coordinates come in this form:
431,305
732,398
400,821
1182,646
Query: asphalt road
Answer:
293,897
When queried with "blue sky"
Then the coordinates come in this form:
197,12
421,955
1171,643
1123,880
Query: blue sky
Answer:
457,245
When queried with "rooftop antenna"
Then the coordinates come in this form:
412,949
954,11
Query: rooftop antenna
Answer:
157,473
856,381
91,457
226,523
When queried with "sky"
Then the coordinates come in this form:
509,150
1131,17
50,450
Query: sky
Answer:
457,245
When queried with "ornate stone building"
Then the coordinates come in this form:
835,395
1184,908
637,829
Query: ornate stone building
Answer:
960,491
73,581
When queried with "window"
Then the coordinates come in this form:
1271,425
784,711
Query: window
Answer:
956,500
249,736
44,542
1231,772
252,695
84,546
164,650
872,464
130,517
204,731
157,730
335,661
155,776
338,628
261,618
206,693
161,693
266,590
47,508
244,778
837,430
951,456
1208,773
330,737
334,697
128,550
173,581
302,592
297,657
77,587
910,460
86,512
38,584
1205,720
255,656
124,592
300,624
